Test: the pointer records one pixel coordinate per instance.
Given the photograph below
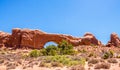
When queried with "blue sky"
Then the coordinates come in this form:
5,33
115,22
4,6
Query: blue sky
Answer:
74,17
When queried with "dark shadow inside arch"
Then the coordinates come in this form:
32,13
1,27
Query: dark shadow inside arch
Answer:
50,43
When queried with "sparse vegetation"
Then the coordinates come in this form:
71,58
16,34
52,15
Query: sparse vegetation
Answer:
108,54
34,53
50,50
56,64
118,56
91,54
93,61
60,60
82,51
112,60
66,48
63,55
78,67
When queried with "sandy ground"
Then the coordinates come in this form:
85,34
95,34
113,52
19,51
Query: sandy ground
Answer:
15,54
35,67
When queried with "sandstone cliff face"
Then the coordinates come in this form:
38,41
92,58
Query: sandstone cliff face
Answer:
114,40
37,39
4,38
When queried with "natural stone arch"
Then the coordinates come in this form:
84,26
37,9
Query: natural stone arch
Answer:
44,38
50,43
37,39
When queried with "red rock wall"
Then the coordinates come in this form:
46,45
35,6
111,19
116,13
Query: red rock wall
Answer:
37,39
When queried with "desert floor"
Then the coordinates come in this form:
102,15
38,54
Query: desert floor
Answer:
16,60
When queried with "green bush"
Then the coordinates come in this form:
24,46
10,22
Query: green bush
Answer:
43,52
34,53
64,60
52,50
111,53
66,48
108,54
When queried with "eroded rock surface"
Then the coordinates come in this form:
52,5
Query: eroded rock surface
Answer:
37,38
114,40
4,38
89,39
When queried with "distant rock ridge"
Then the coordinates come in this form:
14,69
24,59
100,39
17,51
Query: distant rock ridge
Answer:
37,39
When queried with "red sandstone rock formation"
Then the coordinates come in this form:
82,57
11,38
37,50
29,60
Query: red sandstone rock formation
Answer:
4,38
89,39
114,40
37,39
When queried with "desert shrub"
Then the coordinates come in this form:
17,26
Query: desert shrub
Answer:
93,61
76,58
56,64
66,48
112,60
43,51
52,50
64,60
42,64
82,51
108,54
90,65
102,66
34,53
91,54
118,56
111,52
101,60
82,61
79,59
25,55
78,67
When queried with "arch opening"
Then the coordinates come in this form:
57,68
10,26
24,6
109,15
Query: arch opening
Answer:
50,43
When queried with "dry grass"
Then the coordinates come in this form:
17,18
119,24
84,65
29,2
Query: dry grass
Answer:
102,65
112,60
93,61
78,67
